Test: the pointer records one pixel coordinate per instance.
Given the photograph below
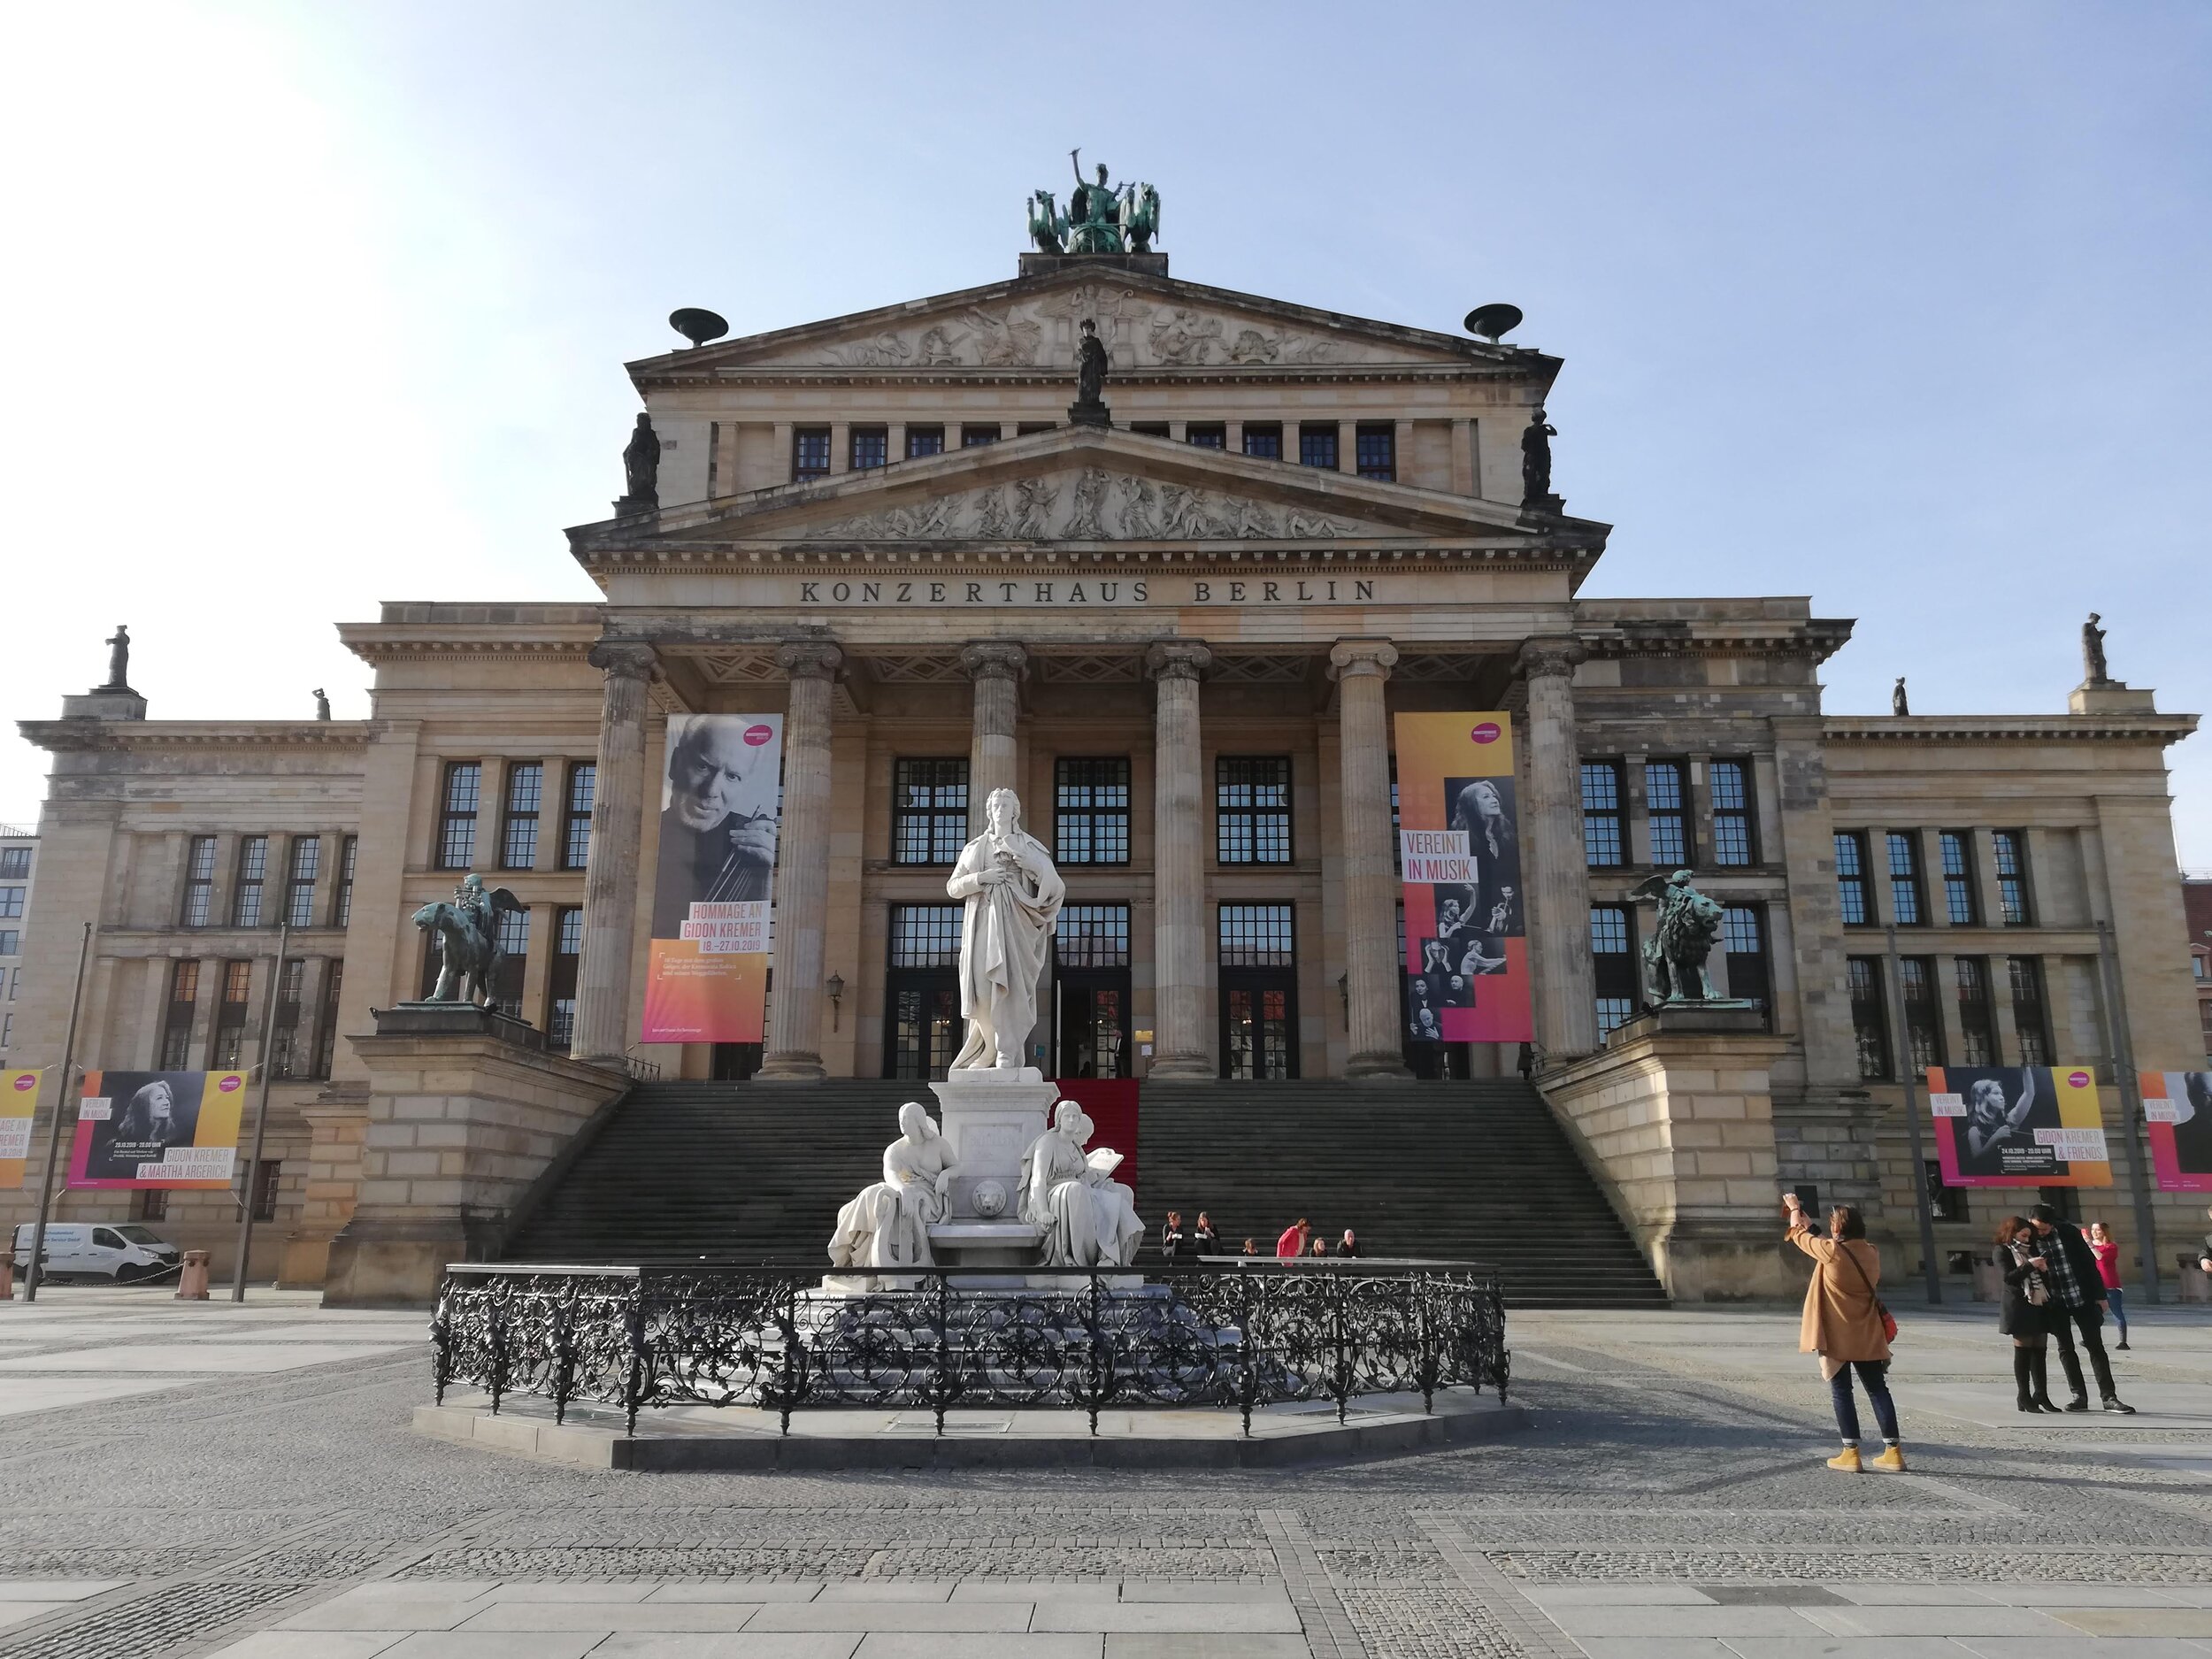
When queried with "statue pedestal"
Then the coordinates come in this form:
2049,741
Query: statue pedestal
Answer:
989,1119
1089,415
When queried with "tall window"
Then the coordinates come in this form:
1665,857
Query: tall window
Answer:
583,788
1666,795
1258,1034
11,945
871,448
1733,843
299,881
2012,876
342,906
1869,1021
1251,809
2029,1017
809,453
1955,849
287,1059
1613,965
1257,936
1743,931
921,441
1207,434
1923,1020
1376,450
1317,446
456,823
1852,896
975,437
560,979
199,881
268,1175
514,944
230,1017
929,810
150,1203
15,863
11,900
253,871
176,1022
922,1013
1092,936
1090,801
326,1021
518,825
1905,901
1263,443
1977,1030
1602,843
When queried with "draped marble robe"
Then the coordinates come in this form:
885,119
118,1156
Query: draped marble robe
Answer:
1012,892
1088,1218
887,1224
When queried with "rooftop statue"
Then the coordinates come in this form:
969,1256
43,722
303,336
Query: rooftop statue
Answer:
467,931
1898,704
118,644
1101,219
1674,955
1089,408
1536,459
641,468
2093,668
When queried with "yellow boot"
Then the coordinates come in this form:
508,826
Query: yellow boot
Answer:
1892,1461
1848,1460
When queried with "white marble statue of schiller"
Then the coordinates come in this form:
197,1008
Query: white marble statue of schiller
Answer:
887,1224
1012,892
1088,1218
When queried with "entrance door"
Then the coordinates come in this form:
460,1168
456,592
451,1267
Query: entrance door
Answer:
923,1030
1259,1023
1093,1022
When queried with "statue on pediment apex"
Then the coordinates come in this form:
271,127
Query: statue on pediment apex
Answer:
1100,218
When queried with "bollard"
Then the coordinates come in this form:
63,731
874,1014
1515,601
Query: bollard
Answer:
192,1283
7,1275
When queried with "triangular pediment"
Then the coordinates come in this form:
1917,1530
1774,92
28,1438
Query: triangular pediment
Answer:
1085,487
1150,323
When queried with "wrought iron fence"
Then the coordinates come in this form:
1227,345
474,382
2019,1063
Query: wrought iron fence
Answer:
1240,1336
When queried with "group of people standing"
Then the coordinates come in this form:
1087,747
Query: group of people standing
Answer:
2059,1285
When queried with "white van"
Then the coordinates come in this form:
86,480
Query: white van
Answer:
119,1250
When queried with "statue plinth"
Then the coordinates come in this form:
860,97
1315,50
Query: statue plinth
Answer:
1090,415
455,1019
989,1119
2110,696
1549,506
1728,1015
1046,264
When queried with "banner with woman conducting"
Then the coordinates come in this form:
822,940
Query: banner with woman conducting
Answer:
1459,852
2177,1115
175,1129
721,800
2037,1125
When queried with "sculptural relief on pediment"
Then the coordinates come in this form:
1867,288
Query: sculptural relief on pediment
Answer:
1140,332
1094,505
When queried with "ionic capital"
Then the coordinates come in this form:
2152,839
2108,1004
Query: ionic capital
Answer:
1178,659
1551,659
1350,659
624,659
809,659
994,659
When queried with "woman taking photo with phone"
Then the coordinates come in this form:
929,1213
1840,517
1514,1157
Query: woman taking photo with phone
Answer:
1846,1324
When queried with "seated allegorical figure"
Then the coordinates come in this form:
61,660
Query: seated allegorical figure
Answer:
1089,1219
887,1224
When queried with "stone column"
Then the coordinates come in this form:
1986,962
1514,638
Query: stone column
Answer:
793,1053
996,668
1551,852
1371,931
1179,884
601,1034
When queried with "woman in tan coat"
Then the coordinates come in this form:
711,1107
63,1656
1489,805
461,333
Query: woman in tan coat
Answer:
1843,1326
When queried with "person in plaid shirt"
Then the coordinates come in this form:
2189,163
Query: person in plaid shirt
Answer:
2077,1304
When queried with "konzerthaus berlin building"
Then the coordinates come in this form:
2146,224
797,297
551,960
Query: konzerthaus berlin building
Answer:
1180,637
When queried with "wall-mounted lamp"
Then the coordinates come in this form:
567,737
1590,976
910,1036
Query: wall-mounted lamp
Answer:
835,986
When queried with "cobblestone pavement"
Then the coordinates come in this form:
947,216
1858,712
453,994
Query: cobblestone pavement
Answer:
184,1480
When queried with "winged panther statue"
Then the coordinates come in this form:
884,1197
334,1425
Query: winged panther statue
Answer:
1674,955
467,931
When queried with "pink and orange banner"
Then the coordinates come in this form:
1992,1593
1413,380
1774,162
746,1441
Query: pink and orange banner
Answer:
2036,1126
172,1129
18,1101
721,802
1459,849
2178,1116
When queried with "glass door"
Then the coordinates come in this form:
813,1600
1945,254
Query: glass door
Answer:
1093,1022
1259,1023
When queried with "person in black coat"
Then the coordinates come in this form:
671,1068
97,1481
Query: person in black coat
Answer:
2022,1313
2077,1305
1204,1240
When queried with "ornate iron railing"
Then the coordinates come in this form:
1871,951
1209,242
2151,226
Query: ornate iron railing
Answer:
1233,1336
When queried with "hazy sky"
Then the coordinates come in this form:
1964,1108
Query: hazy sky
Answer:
1901,306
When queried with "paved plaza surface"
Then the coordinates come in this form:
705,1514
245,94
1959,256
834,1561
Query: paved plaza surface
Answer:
199,1479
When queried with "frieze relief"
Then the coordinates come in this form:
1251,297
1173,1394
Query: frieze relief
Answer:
1094,506
1139,333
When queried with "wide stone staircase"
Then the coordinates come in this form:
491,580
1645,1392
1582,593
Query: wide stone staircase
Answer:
1480,1171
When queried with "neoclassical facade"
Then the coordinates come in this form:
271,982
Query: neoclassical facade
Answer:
1180,637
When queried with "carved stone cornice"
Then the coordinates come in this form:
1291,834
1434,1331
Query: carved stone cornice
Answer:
2162,729
1178,659
1351,658
809,659
117,736
1551,657
625,659
995,659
